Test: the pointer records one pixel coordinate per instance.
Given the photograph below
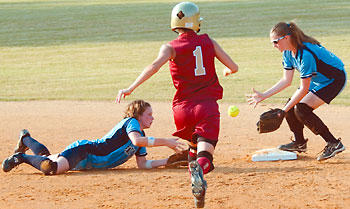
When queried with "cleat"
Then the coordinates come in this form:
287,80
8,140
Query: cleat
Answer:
294,146
199,185
330,150
11,162
21,147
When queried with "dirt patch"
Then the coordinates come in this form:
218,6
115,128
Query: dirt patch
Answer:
236,182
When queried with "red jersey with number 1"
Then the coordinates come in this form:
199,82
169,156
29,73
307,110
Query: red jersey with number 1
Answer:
193,69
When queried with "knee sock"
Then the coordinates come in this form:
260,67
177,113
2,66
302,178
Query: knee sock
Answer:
296,126
306,115
41,163
34,160
328,136
299,138
35,146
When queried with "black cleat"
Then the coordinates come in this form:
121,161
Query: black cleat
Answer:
331,150
294,146
199,185
21,147
11,162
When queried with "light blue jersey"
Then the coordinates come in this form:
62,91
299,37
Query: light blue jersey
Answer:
327,72
111,150
316,62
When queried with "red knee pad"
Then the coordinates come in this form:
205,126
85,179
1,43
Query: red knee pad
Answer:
205,160
205,164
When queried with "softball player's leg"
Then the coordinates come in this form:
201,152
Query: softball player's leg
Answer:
304,111
61,166
200,166
206,133
305,114
71,158
199,122
34,160
192,153
300,143
26,142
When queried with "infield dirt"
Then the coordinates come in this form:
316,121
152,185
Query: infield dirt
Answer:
236,182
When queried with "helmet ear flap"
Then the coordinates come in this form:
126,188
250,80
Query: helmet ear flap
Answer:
186,15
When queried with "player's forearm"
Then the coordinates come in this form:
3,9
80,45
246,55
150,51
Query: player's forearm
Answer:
148,72
282,84
224,58
297,96
229,63
158,163
148,164
150,142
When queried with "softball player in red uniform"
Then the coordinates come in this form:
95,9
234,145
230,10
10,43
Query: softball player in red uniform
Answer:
196,113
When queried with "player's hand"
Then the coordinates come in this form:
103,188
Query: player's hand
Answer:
227,71
122,93
176,145
255,98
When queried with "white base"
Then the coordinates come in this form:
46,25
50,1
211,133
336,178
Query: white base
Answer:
273,154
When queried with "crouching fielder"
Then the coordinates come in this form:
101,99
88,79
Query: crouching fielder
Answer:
322,78
126,139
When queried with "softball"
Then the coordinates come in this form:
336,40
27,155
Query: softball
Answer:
233,111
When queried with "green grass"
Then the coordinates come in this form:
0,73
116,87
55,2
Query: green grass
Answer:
88,49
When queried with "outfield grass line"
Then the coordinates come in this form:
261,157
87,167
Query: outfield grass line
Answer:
87,50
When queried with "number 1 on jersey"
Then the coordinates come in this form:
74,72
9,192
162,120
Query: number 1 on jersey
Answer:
200,69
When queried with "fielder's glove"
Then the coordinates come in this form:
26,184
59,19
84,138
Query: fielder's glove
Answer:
177,160
270,121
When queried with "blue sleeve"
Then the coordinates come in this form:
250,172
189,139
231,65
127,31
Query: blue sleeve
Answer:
287,64
141,152
308,66
134,125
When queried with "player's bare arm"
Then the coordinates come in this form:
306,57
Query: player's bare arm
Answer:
166,52
299,94
224,58
143,163
141,141
283,83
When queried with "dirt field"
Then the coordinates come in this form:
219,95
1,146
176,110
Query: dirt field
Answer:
237,182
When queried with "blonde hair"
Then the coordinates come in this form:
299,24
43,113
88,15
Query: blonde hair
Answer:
136,109
297,35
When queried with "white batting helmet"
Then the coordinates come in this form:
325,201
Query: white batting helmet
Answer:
186,15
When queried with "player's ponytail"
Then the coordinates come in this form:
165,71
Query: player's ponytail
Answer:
297,35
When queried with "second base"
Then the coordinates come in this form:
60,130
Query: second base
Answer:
273,154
